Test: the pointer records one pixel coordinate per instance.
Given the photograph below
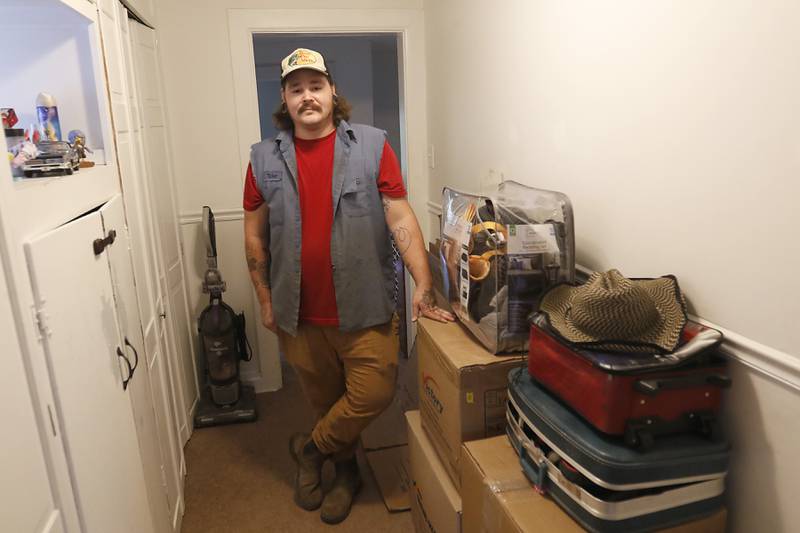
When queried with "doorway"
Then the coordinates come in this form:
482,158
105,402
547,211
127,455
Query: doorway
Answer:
407,27
365,67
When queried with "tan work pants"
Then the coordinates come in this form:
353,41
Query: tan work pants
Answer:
348,378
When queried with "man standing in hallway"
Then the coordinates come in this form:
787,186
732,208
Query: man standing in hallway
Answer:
322,201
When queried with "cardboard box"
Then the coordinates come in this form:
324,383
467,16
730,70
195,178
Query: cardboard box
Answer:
435,502
462,389
497,497
491,475
392,472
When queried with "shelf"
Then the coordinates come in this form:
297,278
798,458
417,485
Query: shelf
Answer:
56,51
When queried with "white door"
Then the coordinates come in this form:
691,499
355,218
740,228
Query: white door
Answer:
158,436
141,395
162,196
26,499
89,371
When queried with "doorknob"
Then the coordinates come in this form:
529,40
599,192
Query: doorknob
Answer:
127,380
135,353
100,244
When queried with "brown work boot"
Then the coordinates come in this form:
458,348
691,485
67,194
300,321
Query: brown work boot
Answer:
338,501
308,480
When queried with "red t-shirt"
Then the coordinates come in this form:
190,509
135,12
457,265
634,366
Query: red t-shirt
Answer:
314,175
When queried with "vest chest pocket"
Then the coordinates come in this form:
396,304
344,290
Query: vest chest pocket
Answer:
273,196
355,200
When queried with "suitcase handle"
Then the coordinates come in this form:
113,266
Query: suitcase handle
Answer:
651,387
536,474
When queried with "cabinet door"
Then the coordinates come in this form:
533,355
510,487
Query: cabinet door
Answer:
139,389
26,499
74,295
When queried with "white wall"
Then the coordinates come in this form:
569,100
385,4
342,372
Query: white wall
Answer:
196,60
675,129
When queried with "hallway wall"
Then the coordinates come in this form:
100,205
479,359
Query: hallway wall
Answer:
674,127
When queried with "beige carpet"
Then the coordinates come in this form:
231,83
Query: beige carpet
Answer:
240,477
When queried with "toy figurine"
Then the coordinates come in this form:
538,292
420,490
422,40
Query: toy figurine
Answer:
78,141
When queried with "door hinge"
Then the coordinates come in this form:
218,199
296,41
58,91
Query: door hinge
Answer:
40,322
163,477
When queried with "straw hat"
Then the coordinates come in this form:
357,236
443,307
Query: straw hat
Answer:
615,314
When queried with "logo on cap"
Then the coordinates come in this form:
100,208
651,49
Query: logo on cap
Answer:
302,57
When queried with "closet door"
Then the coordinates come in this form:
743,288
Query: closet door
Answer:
89,371
153,407
139,389
171,278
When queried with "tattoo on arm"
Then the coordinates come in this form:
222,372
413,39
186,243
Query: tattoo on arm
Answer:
428,300
386,205
261,268
402,238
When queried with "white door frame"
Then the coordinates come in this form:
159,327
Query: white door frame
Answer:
409,23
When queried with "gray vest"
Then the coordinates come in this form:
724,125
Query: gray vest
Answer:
361,250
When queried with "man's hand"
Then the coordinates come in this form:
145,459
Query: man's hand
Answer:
267,318
424,304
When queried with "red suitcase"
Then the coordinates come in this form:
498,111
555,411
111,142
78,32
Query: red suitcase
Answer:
636,396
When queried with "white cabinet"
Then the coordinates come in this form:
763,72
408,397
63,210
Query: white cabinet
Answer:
91,368
23,461
93,450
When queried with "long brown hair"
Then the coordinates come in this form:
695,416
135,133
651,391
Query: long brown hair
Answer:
341,111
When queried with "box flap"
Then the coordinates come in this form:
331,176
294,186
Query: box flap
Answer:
460,348
498,463
393,475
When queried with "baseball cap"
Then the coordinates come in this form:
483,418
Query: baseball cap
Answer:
302,58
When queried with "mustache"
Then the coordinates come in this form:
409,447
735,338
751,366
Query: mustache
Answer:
309,106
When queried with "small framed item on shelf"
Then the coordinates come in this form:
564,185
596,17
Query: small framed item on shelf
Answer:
9,117
47,113
15,140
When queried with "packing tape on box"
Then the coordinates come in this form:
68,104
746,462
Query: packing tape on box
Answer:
497,486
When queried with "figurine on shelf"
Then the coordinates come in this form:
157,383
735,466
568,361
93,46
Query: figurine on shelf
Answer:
78,141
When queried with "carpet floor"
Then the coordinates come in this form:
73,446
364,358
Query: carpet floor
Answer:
239,477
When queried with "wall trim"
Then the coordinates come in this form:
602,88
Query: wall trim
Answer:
775,364
220,215
434,208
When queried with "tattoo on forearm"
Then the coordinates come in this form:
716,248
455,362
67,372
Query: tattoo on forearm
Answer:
402,238
261,270
386,205
428,300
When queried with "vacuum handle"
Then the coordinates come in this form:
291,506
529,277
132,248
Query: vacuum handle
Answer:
209,232
651,387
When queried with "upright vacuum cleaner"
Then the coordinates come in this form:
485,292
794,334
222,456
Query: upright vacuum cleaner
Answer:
223,342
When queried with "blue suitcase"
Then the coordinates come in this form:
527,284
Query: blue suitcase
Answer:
603,484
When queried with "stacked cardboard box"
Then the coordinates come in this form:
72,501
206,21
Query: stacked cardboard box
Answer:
497,498
462,389
435,502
